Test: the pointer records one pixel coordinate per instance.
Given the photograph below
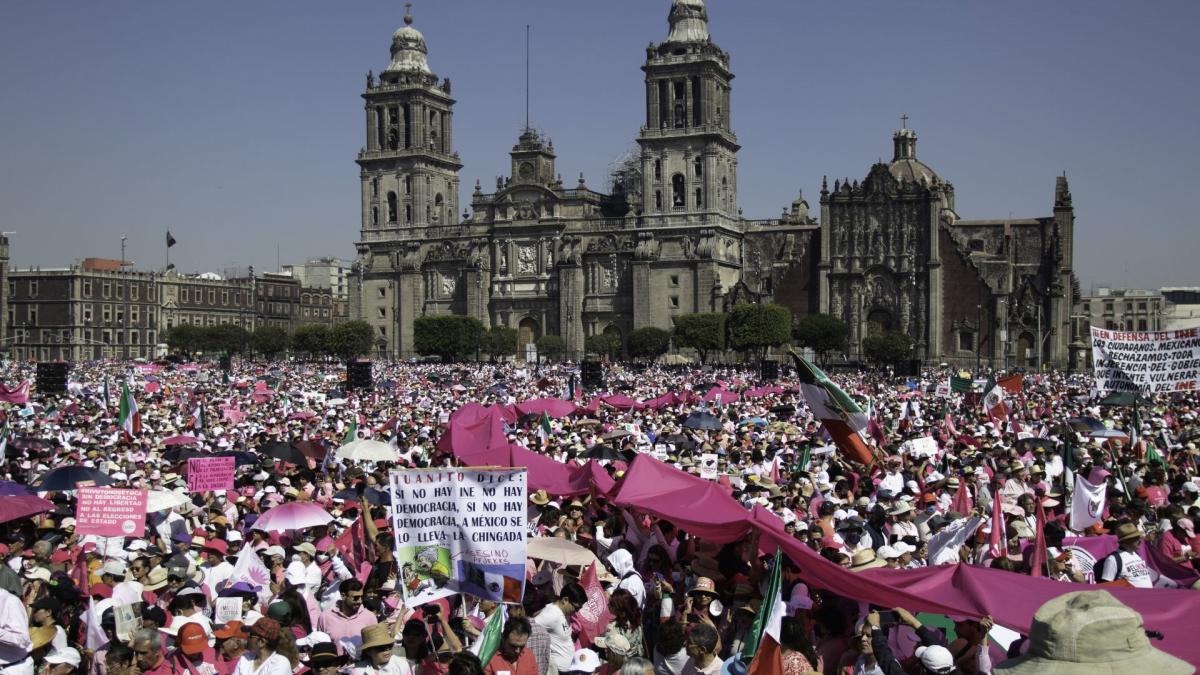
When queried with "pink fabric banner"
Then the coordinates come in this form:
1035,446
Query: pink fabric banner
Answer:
620,402
18,394
553,407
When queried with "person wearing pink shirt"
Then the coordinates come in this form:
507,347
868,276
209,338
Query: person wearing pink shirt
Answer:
344,622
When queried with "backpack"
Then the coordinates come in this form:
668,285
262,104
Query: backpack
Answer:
1099,567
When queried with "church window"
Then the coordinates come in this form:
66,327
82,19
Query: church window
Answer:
677,193
433,130
697,116
408,185
658,169
408,214
674,279
374,187
375,215
699,197
664,114
658,199
966,341
393,138
382,312
698,166
437,201
680,103
391,199
407,127
1141,324
674,302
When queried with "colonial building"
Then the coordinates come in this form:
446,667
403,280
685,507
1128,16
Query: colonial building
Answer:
542,256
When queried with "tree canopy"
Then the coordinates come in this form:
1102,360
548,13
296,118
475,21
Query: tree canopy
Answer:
449,336
703,332
754,327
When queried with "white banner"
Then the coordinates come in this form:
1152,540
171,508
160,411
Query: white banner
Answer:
460,531
1150,363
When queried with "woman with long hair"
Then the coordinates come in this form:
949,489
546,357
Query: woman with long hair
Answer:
627,620
799,655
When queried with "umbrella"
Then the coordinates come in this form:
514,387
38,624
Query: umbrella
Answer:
181,454
161,500
293,516
68,477
756,421
285,452
1085,425
561,551
313,449
680,441
1108,433
1124,398
181,440
368,450
615,434
376,497
9,488
703,420
240,458
603,452
22,506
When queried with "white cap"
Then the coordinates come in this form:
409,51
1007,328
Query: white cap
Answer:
585,661
888,553
935,658
65,655
233,535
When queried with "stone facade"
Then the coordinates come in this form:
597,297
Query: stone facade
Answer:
537,255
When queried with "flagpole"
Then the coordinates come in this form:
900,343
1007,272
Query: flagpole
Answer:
167,241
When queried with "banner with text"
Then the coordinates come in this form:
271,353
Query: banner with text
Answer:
110,512
1150,363
460,530
210,473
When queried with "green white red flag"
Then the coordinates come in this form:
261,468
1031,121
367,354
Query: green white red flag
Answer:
130,420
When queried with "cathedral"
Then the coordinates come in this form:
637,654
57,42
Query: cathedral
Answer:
544,256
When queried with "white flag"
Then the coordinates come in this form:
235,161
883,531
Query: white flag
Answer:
944,546
250,569
1087,504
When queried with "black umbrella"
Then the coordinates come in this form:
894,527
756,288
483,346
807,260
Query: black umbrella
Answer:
1085,425
1124,398
284,451
240,458
604,452
783,410
703,420
376,497
179,453
680,441
68,478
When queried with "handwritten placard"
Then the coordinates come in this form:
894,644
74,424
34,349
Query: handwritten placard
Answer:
110,512
210,473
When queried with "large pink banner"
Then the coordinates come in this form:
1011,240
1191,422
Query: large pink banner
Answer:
210,473
110,512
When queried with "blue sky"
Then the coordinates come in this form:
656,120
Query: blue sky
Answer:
235,124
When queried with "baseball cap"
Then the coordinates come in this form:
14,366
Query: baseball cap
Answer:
68,655
192,638
935,658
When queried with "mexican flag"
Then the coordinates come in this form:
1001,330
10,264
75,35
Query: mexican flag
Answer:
130,420
488,642
351,432
198,423
762,642
993,402
838,412
544,430
4,441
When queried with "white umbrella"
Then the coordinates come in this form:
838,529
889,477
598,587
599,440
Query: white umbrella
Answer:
161,500
367,450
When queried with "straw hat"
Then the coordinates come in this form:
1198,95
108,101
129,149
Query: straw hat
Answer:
376,635
1090,632
704,585
865,560
540,498
1127,531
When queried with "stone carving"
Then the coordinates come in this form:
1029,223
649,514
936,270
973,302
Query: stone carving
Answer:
449,284
526,260
609,272
525,210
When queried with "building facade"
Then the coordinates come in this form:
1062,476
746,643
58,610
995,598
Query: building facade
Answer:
535,254
1182,308
324,273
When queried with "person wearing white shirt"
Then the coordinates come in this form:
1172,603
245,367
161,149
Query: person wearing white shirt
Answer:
555,618
262,657
14,636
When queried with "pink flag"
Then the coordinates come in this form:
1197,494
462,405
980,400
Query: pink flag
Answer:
1037,562
18,394
962,502
997,542
593,617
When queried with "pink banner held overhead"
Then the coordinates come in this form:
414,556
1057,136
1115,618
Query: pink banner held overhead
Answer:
553,407
18,394
210,473
110,512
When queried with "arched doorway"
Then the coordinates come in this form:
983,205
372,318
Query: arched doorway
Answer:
1025,347
878,321
528,333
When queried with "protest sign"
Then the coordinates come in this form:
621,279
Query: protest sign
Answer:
459,531
708,466
110,512
1149,363
210,473
228,609
925,446
127,621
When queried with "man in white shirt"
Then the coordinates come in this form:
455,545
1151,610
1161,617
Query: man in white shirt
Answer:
14,636
1126,564
555,618
304,572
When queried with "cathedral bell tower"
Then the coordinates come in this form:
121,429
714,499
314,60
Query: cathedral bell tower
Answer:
688,146
409,169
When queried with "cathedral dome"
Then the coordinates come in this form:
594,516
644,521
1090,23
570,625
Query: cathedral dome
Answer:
689,21
408,49
905,165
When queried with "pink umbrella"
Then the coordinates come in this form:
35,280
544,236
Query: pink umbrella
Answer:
22,506
293,516
181,440
305,415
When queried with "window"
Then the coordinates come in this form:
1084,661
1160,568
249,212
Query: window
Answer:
133,291
87,288
133,314
391,206
374,188
12,315
87,314
375,215
381,312
33,288
1141,324
975,245
120,291
212,297
658,199
658,169
677,197
1142,306
183,295
408,185
106,313
382,291
106,290
224,297
120,315
1108,308
106,337
966,341
133,337
698,166
408,214
674,279
33,315
699,197
674,302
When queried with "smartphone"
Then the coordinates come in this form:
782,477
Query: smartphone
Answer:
888,617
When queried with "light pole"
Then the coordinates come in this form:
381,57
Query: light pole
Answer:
979,337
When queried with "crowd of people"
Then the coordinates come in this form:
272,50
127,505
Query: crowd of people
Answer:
946,474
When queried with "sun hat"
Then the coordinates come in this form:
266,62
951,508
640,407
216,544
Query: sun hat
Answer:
68,655
704,585
192,638
41,636
1086,632
306,548
1126,531
865,560
376,635
615,643
935,658
325,654
585,661
900,509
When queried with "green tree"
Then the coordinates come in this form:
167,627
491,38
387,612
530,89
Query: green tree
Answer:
649,343
704,332
184,339
224,338
270,341
499,342
754,328
351,339
604,344
551,347
822,333
312,339
449,336
889,348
